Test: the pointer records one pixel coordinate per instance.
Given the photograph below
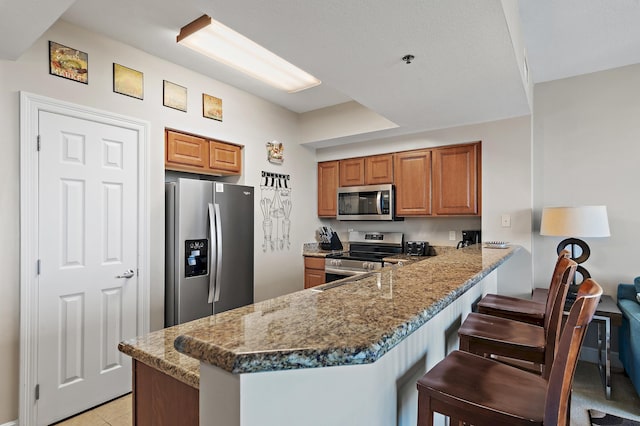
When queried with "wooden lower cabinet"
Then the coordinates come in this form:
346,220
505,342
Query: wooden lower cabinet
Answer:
313,271
161,400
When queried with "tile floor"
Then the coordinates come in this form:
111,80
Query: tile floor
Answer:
114,413
587,393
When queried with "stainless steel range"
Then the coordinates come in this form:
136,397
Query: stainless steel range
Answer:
366,251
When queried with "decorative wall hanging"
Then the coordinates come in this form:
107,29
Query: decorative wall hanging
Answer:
275,202
174,96
67,62
127,81
211,107
275,152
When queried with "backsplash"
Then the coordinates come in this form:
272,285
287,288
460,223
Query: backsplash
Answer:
434,230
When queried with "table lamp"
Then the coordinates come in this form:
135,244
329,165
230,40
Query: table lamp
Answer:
574,222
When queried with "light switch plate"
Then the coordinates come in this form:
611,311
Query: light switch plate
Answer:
452,235
506,221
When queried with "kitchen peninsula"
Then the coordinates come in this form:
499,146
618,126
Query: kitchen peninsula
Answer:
347,354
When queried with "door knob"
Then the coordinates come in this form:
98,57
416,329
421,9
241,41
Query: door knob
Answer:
127,274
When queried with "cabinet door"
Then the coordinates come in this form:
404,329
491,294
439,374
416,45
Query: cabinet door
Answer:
185,152
225,157
313,271
352,172
328,175
413,182
313,277
455,180
378,169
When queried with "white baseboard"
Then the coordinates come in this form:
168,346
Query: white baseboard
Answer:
591,355
13,423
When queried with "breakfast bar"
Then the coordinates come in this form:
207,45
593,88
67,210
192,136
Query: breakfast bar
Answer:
347,352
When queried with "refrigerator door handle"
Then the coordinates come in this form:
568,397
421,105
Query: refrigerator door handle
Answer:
212,253
218,252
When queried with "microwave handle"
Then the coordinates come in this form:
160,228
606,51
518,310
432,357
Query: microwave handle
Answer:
379,202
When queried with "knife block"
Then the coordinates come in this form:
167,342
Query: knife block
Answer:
335,243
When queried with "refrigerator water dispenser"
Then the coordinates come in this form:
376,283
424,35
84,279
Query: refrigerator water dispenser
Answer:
196,255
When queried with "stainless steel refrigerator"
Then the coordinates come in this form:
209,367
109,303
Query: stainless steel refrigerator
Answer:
209,248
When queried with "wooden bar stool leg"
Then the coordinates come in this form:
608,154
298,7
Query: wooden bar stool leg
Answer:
425,414
464,343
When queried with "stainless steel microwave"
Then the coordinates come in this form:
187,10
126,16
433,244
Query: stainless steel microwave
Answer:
369,202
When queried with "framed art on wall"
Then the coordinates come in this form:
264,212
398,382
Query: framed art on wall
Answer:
211,107
69,63
127,81
174,96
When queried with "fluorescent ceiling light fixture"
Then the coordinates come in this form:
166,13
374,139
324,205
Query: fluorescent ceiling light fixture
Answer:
215,40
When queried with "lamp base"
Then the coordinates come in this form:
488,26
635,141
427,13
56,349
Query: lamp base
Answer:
580,252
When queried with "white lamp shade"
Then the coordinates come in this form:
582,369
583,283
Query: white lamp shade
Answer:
580,222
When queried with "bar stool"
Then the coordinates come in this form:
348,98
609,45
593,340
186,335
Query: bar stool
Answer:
524,310
529,346
480,391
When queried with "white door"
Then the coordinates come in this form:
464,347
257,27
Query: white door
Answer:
88,180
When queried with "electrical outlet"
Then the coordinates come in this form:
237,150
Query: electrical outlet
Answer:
506,221
452,235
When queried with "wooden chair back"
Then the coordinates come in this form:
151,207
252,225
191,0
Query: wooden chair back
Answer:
553,321
564,364
556,279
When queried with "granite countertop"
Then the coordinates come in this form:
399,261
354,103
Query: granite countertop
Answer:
156,350
355,323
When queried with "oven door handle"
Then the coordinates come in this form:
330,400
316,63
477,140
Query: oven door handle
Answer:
346,273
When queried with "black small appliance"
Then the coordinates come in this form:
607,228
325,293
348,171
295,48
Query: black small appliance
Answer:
469,238
416,248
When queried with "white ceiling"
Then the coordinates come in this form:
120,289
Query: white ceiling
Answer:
465,68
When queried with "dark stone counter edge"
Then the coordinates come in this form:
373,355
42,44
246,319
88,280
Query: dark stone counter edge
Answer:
254,362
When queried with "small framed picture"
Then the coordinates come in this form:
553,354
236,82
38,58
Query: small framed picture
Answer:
211,107
275,152
127,81
174,96
69,63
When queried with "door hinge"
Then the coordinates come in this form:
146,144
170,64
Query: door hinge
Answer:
37,392
38,267
38,144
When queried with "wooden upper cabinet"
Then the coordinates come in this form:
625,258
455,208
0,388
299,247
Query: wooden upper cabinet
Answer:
413,182
196,154
224,156
378,169
328,178
455,180
186,150
352,172
373,170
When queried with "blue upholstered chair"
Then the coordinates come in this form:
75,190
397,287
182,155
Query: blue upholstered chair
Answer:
629,304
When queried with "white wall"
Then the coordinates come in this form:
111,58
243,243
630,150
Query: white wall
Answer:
586,133
247,120
506,189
